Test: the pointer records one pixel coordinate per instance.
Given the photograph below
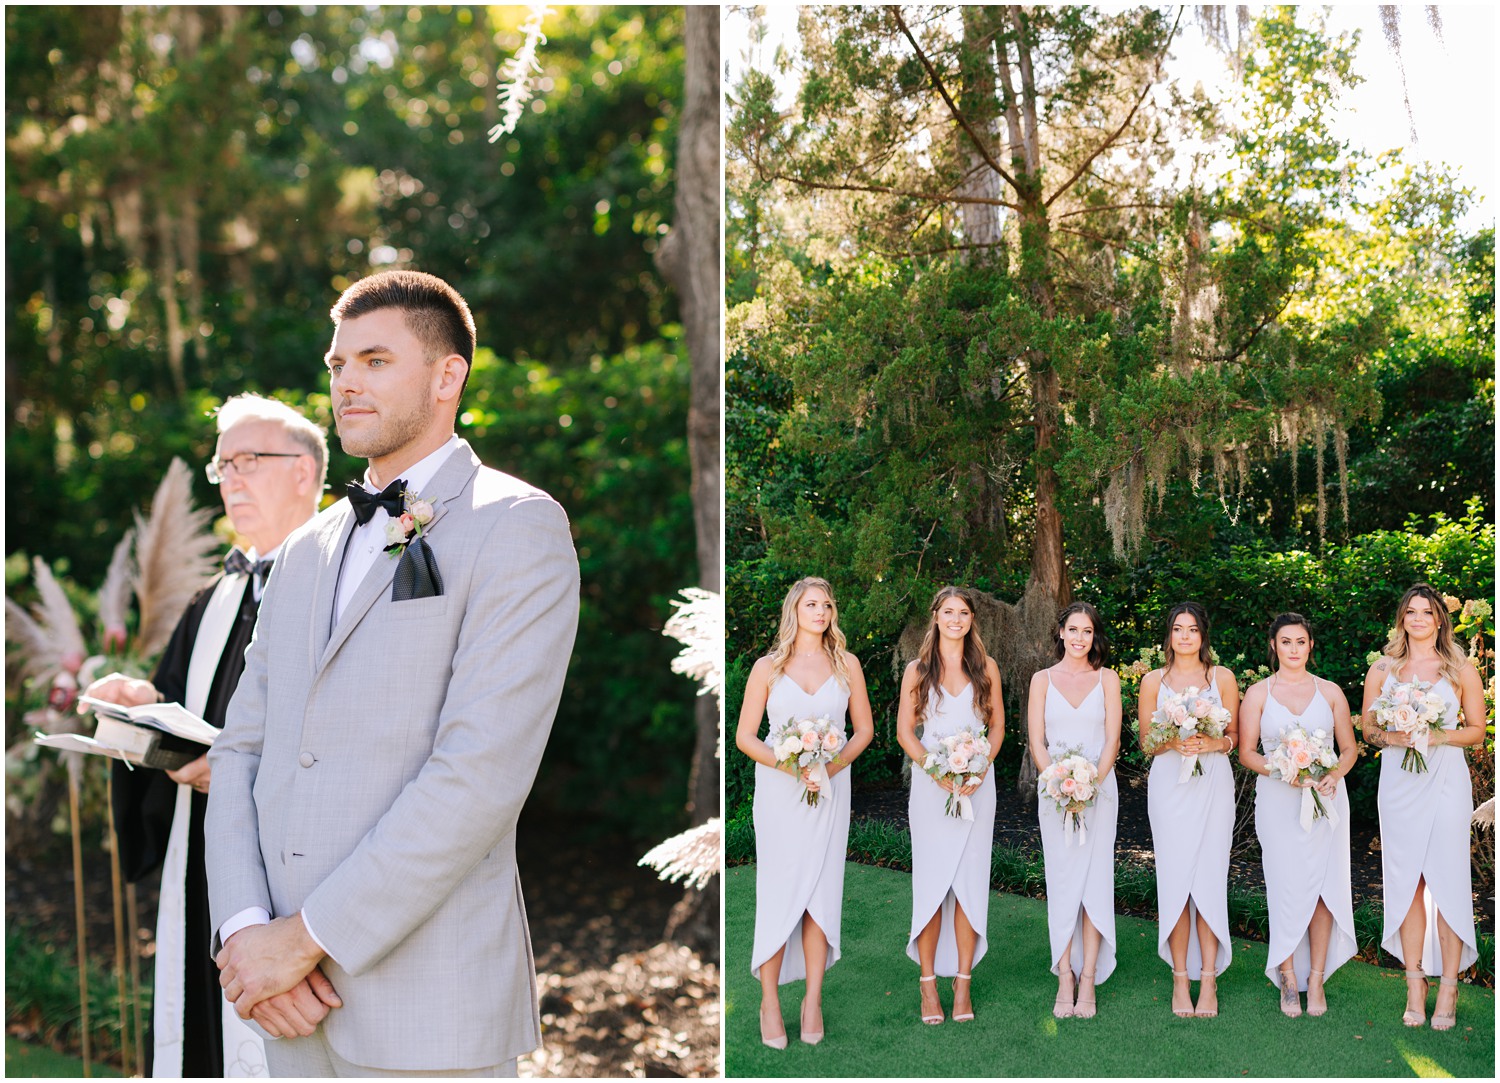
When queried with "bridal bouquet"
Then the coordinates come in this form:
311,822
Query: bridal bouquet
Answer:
961,758
1301,756
1181,715
1071,781
1411,708
809,743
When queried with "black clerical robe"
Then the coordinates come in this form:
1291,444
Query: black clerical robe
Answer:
144,801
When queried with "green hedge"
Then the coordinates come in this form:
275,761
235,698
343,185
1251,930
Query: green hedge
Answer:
1347,591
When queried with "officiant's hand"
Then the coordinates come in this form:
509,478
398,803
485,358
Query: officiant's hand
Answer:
260,961
297,1012
193,774
118,688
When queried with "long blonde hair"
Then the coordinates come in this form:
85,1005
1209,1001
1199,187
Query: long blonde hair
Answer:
974,662
786,635
1451,658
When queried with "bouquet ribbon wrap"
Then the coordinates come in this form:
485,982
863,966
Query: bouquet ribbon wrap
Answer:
818,772
1312,808
1185,772
965,806
1080,831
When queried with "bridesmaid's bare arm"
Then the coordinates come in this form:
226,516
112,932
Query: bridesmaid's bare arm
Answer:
1036,720
1113,716
1471,698
1229,695
1250,709
861,718
752,710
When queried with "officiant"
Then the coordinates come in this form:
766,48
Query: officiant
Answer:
269,465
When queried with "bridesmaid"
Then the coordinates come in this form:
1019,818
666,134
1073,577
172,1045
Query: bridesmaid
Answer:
800,848
952,685
1077,703
1424,817
1307,872
1192,822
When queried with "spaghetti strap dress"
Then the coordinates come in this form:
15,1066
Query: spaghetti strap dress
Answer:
1080,877
1192,827
1424,834
950,856
1302,866
799,848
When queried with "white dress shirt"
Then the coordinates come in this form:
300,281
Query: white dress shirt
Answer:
366,546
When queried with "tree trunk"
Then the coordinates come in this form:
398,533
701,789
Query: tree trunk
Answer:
689,257
981,221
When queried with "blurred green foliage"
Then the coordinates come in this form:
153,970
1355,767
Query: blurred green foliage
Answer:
188,190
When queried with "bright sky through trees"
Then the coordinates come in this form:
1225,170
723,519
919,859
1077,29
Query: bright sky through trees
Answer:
1451,83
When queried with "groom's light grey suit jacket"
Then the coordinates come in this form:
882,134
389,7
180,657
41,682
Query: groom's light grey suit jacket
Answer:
370,774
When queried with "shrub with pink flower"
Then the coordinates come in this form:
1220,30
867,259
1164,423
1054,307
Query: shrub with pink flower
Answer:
1071,783
1300,756
810,743
961,758
1412,708
1180,716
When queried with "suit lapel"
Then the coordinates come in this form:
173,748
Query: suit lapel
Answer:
333,541
452,479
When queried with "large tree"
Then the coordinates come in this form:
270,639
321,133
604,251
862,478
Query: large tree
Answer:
1008,265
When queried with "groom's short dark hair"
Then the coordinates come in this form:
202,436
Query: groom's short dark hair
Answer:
434,311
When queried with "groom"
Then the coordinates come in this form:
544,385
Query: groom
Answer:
398,694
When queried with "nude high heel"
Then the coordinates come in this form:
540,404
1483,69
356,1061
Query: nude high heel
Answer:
932,1020
1315,1012
1415,1017
970,1013
1211,980
1448,1018
1062,1007
810,1037
1182,1013
1080,1009
774,1043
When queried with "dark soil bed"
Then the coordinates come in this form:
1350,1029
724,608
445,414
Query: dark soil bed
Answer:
615,999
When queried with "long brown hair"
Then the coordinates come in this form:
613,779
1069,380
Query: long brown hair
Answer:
1451,658
1099,648
1205,653
786,634
975,659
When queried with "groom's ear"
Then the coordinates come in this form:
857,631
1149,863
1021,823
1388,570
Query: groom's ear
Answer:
451,373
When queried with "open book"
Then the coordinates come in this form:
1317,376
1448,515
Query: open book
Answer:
163,735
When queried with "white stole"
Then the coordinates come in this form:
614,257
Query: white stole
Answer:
244,1054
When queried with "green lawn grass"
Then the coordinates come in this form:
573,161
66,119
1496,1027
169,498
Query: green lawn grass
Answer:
23,1061
870,1008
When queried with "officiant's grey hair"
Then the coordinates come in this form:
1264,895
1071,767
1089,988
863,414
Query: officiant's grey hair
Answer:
301,431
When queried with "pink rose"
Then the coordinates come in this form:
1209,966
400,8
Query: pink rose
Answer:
1403,717
959,762
831,741
1068,785
1201,707
1302,758
809,741
408,524
1177,714
421,511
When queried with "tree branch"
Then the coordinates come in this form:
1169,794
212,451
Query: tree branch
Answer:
963,121
1102,147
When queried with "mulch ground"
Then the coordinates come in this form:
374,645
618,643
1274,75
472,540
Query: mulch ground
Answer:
616,1000
1016,825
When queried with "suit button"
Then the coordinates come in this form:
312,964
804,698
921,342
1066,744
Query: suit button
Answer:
306,759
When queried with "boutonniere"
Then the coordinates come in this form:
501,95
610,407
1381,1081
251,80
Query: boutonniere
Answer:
402,529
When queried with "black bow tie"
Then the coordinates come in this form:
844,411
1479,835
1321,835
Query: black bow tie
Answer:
365,502
237,563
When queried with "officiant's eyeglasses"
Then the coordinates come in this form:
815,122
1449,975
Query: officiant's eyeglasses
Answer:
245,463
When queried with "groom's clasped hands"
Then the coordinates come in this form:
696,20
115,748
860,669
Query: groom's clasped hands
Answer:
270,974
